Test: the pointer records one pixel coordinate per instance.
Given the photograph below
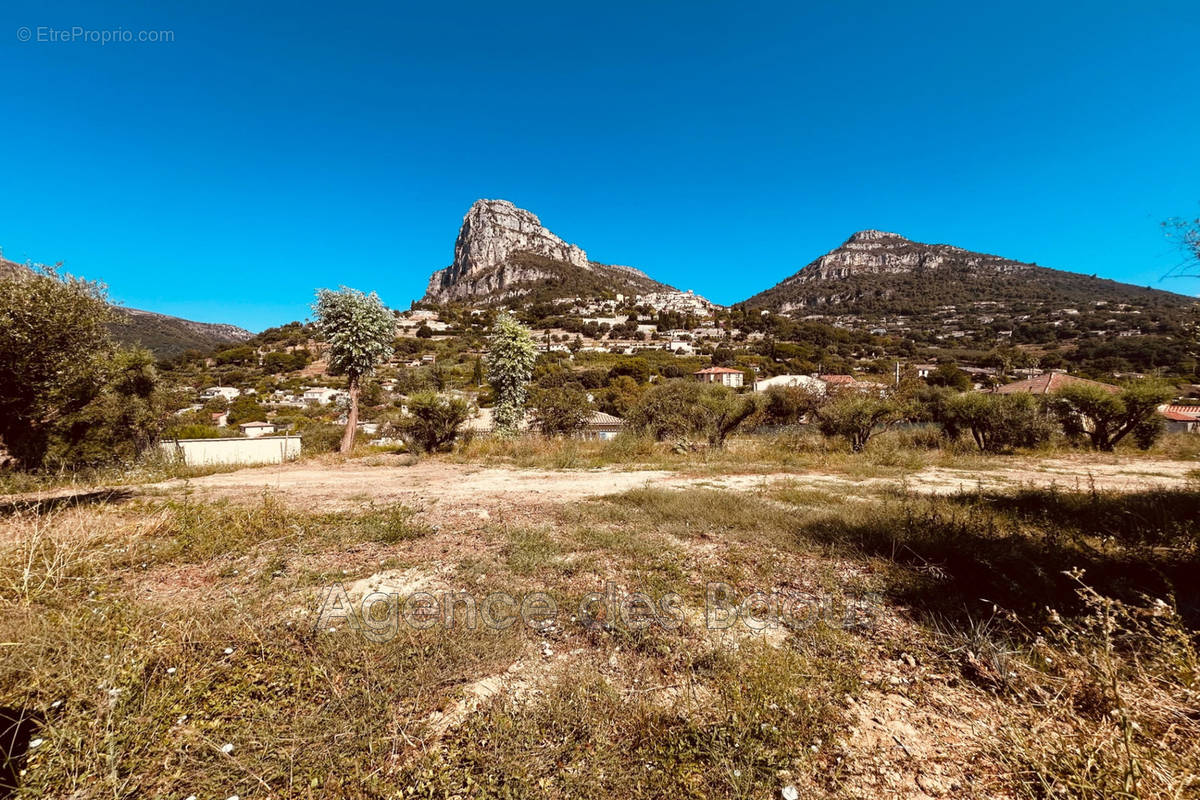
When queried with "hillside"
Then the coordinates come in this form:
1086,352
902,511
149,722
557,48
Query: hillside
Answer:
163,335
878,273
503,253
169,336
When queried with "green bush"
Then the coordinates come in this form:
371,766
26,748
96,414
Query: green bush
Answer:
321,438
787,405
201,432
560,410
857,415
1001,422
69,396
683,409
435,421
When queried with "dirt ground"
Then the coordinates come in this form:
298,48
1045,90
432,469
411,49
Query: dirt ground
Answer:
895,746
432,481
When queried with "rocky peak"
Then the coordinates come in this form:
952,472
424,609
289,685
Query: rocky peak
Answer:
492,233
883,253
874,236
504,252
493,229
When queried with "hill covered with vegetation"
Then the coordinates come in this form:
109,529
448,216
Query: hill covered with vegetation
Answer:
164,336
876,274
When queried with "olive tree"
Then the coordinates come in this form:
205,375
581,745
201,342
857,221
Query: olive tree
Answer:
1105,416
68,393
999,422
682,409
512,353
360,331
857,415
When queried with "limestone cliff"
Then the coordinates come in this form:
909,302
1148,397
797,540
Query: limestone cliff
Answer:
504,252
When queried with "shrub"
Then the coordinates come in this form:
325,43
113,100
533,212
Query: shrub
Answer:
1148,431
435,421
787,405
560,410
321,438
1000,422
683,409
195,431
68,394
857,415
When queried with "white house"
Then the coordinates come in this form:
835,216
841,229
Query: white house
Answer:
806,382
253,430
322,395
722,375
228,392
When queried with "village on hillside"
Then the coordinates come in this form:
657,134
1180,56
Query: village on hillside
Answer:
276,383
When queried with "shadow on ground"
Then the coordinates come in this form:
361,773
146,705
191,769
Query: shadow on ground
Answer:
17,726
962,554
41,505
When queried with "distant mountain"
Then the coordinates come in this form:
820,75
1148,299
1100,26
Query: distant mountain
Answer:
169,336
875,273
503,254
160,334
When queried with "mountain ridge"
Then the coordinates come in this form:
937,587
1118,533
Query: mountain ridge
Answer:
873,269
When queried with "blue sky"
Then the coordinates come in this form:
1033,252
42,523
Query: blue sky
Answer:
272,150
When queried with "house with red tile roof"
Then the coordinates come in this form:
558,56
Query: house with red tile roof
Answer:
1181,419
838,380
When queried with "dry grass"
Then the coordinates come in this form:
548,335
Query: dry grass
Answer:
116,619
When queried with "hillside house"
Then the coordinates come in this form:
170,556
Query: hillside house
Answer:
725,376
1181,419
924,370
806,382
602,427
252,430
228,392
322,395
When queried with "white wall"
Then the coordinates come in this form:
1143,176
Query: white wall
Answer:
261,450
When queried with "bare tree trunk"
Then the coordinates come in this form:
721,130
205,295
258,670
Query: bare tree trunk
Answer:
351,418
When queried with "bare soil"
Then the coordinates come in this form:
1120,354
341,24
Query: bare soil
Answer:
433,481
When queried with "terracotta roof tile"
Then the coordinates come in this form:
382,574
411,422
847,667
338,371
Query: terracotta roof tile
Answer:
1051,382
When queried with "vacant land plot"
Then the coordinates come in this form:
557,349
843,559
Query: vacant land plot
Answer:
377,628
398,478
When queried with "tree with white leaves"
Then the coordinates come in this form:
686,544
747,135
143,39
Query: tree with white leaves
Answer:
360,331
511,356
